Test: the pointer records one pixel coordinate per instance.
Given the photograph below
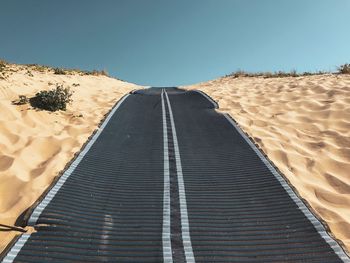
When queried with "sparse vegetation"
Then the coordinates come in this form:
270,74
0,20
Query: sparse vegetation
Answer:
52,100
39,68
29,73
3,64
278,74
97,73
59,71
306,73
72,71
344,69
293,73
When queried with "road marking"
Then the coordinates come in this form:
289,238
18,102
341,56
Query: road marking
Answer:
166,235
316,223
11,255
38,210
310,216
182,195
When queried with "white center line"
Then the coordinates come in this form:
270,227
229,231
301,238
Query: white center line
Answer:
166,235
186,238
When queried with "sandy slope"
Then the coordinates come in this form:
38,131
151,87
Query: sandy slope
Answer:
36,145
303,125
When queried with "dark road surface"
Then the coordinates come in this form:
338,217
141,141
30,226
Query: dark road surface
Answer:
168,179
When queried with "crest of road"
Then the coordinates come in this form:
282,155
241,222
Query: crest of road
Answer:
166,178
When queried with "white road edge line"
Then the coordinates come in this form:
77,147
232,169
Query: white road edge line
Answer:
166,232
316,223
11,255
185,227
310,216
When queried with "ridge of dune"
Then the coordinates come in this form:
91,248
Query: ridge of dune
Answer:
303,125
36,145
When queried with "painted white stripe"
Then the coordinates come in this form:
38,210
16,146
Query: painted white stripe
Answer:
310,216
51,194
316,223
11,255
182,195
166,234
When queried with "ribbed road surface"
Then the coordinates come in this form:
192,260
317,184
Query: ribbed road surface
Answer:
168,179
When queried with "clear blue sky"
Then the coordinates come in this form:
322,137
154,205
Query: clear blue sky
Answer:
174,42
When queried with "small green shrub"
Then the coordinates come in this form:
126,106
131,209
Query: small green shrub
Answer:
39,68
306,73
29,73
59,71
52,100
2,65
97,73
294,73
104,73
240,73
344,69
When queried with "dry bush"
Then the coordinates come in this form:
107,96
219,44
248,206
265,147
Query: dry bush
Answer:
97,73
344,69
39,68
278,74
59,71
3,64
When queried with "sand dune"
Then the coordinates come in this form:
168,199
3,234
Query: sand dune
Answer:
36,145
303,125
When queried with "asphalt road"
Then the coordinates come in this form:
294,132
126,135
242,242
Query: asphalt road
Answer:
168,179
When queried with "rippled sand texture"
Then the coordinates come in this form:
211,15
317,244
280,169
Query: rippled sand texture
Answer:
36,145
303,125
